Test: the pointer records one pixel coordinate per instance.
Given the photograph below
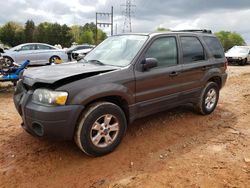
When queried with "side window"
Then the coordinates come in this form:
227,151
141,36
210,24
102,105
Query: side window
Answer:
214,46
192,49
43,47
164,50
28,47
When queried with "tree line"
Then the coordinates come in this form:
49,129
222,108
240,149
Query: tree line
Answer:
13,33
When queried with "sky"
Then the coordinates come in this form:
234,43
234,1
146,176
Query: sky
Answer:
147,15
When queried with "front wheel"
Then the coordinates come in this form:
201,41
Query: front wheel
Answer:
100,129
243,62
208,99
8,62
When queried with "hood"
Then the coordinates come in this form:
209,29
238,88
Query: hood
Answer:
54,73
83,50
236,54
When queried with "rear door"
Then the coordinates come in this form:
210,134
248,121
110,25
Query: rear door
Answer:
159,87
43,53
195,64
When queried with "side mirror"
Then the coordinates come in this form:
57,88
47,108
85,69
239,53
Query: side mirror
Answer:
1,50
149,63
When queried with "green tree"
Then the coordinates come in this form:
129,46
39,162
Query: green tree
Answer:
101,36
41,34
162,29
29,30
75,32
87,37
87,34
66,36
12,34
229,39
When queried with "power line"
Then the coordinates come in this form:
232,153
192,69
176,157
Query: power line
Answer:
127,25
104,24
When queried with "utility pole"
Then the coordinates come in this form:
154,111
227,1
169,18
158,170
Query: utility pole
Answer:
127,25
110,23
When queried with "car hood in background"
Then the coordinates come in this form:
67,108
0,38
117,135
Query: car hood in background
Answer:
243,55
83,51
54,73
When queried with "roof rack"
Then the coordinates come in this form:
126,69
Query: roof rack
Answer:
195,30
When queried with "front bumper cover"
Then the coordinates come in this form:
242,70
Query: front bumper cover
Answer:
55,122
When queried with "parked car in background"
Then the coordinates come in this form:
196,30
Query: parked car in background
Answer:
36,53
238,54
74,51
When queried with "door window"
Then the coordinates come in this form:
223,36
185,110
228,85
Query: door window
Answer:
164,50
214,46
28,47
192,49
43,47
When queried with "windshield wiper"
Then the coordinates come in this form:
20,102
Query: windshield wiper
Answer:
95,61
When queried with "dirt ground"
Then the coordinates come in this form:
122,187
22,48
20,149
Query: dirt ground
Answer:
177,148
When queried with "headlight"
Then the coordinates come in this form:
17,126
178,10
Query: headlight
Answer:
49,97
240,58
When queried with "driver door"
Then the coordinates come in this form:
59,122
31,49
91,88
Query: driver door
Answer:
26,52
159,88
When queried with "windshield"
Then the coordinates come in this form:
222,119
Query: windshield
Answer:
15,48
238,49
117,50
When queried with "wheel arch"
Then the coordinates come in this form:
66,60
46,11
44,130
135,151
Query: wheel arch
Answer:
115,99
7,56
217,79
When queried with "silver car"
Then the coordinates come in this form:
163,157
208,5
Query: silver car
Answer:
37,53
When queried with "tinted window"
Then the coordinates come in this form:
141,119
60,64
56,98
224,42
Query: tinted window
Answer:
192,49
28,47
214,46
164,50
43,47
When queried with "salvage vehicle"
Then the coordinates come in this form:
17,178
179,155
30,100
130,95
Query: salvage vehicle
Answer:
238,54
77,50
126,77
36,53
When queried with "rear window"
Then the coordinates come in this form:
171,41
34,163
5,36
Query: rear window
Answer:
192,49
214,47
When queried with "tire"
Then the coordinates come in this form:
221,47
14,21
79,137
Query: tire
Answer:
93,135
243,62
8,61
53,58
207,104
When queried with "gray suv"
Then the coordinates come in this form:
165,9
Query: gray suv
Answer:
126,77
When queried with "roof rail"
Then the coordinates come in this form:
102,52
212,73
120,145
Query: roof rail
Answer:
195,30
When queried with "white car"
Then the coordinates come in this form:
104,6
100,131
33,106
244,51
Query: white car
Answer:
37,53
238,54
81,53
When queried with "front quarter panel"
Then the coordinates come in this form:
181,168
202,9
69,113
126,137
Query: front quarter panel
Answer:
115,83
100,91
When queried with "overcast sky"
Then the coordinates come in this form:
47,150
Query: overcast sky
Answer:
230,15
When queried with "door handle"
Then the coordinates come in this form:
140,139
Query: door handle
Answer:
173,74
205,68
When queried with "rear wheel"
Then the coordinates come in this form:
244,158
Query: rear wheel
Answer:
208,99
53,59
100,129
